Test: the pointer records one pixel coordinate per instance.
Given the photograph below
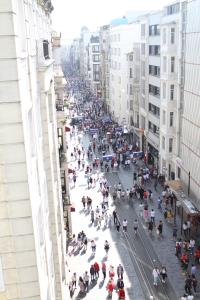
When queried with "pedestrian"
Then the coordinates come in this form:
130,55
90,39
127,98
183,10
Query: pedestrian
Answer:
83,201
111,272
174,234
110,287
193,269
86,281
188,284
103,268
92,272
120,283
106,247
124,225
185,229
81,284
163,274
93,246
152,215
155,274
96,270
150,227
92,216
188,227
74,179
160,228
85,242
121,294
135,226
120,271
74,279
194,283
118,224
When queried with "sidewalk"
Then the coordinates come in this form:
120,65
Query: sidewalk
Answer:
118,253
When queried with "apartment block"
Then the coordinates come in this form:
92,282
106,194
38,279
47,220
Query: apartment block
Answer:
32,243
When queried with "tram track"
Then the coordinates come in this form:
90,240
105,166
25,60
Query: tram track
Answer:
142,254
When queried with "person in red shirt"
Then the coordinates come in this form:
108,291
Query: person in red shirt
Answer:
110,287
121,294
96,270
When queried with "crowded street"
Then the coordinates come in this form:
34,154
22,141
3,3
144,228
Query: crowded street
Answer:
125,241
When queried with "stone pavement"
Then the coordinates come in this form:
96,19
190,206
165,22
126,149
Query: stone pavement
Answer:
80,262
164,248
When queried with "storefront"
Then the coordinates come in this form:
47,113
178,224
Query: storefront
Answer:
184,207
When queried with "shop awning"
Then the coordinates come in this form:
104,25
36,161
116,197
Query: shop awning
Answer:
182,200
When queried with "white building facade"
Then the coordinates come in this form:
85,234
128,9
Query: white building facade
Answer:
104,42
188,165
32,241
171,27
122,39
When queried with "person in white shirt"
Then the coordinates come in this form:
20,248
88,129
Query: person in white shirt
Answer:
124,225
155,274
152,215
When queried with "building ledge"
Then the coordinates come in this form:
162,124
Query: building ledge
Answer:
42,66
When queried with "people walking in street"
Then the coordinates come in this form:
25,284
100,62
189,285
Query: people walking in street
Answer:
83,201
93,246
110,287
86,281
96,270
118,224
150,227
92,272
120,271
81,284
74,279
103,268
124,225
152,215
120,283
106,247
114,216
135,226
160,228
121,294
185,228
155,274
188,284
163,274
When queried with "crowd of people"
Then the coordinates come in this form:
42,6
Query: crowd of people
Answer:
108,151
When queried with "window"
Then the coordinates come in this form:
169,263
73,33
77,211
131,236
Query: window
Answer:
171,119
170,144
154,30
164,64
164,90
154,110
172,35
171,91
172,64
172,9
118,37
131,89
143,49
131,57
164,117
179,173
154,50
164,36
143,68
154,90
96,68
95,48
46,49
119,52
154,70
163,143
130,73
96,58
142,30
